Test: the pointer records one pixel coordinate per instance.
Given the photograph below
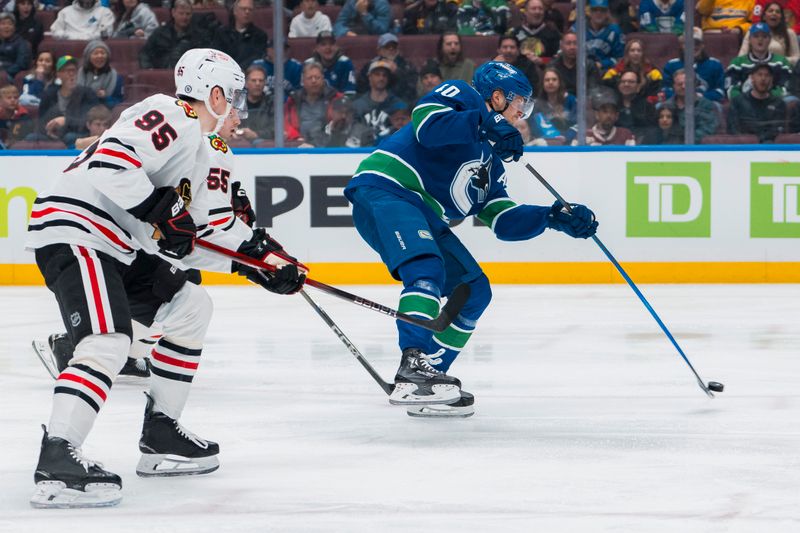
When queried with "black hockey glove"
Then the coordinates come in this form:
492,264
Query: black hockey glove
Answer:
506,139
580,223
166,210
241,204
286,280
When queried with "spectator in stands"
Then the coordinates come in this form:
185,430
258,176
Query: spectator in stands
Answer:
338,68
28,26
430,77
308,109
661,16
794,81
606,111
726,15
738,74
343,130
706,116
64,107
757,111
241,39
537,39
666,130
15,52
98,120
605,42
135,20
169,42
791,12
15,122
635,59
567,61
404,80
260,122
508,50
34,83
452,63
97,74
555,111
399,115
709,76
430,16
636,113
783,40
292,70
483,17
310,21
363,17
527,135
553,16
374,107
84,20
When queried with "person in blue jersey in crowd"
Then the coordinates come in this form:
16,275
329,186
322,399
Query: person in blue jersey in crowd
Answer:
447,164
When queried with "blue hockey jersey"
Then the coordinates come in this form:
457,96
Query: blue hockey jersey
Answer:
440,162
658,18
292,74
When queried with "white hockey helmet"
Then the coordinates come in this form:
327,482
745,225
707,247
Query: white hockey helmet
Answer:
199,70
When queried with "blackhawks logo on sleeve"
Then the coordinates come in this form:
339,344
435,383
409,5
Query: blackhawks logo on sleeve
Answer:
186,108
217,143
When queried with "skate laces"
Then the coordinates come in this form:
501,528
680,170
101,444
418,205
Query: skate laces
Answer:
141,365
185,433
427,361
85,462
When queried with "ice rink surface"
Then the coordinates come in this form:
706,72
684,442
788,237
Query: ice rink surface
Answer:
586,419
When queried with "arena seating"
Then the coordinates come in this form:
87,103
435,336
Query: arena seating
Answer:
729,139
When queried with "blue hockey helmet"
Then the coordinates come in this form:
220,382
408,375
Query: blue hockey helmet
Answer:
497,75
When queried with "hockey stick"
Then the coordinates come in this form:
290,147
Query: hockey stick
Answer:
387,387
447,314
711,384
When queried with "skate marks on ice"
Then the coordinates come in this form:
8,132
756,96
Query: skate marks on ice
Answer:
583,422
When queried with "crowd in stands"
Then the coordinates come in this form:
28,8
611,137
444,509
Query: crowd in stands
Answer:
354,69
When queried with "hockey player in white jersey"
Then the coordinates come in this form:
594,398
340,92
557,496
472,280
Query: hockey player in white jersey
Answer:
86,232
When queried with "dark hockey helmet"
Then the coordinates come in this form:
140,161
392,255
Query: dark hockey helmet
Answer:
497,75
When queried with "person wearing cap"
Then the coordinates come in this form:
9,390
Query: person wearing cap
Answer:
784,39
363,17
241,39
706,113
724,16
15,52
337,67
342,130
757,111
404,80
537,38
424,17
84,20
604,132
373,107
62,113
292,70
429,77
605,42
310,21
661,16
737,76
97,74
709,75
169,42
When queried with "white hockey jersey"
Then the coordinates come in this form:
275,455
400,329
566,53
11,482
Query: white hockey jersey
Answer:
156,143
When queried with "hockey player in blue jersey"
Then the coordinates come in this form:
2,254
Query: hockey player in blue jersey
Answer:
447,164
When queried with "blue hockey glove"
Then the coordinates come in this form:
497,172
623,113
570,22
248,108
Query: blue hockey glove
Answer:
580,223
505,138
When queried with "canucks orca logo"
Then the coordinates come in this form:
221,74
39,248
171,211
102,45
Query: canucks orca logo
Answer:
471,184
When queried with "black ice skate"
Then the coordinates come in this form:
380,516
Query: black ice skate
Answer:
461,408
136,368
57,352
170,450
65,479
417,382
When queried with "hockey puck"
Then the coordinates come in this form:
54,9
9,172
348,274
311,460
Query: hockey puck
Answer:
716,386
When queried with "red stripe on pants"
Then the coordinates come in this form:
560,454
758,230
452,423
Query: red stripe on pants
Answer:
98,302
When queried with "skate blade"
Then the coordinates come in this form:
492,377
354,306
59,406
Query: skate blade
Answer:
166,465
45,355
56,495
440,411
405,394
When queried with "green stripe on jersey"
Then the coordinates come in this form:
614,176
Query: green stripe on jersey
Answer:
421,113
494,209
414,303
393,167
453,338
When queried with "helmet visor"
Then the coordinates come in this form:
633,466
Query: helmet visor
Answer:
239,103
523,105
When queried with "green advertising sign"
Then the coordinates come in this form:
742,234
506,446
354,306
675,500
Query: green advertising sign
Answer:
668,199
774,202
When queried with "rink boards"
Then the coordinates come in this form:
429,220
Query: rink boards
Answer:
716,214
